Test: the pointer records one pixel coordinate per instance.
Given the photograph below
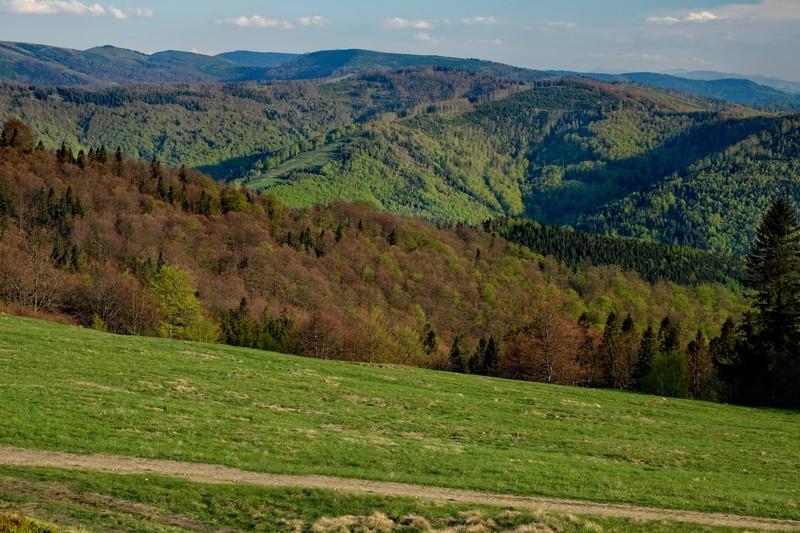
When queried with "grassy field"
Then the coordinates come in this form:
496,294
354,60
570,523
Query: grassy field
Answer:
150,503
64,388
311,161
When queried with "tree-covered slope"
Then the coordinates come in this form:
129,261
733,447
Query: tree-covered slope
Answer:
327,63
607,159
454,145
225,129
137,248
717,201
33,64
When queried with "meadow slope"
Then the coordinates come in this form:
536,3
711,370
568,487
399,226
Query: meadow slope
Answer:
69,389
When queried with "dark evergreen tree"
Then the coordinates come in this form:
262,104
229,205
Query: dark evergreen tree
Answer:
477,363
75,259
490,360
118,162
698,360
669,336
456,356
767,370
609,350
429,341
648,350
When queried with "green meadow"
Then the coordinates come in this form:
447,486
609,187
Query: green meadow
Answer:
70,389
106,502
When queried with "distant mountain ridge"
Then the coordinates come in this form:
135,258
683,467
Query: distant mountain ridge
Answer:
787,86
107,66
736,90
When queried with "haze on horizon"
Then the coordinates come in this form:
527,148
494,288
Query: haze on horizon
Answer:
745,36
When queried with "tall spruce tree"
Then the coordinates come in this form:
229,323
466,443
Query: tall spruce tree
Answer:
769,362
490,361
648,350
456,356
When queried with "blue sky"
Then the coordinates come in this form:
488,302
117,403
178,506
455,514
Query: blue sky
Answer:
750,36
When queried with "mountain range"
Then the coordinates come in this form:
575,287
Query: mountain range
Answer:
105,66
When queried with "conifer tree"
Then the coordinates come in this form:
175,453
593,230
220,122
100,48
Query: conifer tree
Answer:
456,356
698,359
429,341
648,349
773,274
118,162
609,350
477,361
768,365
490,361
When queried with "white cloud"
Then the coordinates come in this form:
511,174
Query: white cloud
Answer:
701,16
52,7
399,23
765,10
70,7
483,21
257,21
423,36
315,21
693,17
663,21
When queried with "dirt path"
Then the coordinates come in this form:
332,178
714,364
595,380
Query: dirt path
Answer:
208,473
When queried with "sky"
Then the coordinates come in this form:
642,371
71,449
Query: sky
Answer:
744,36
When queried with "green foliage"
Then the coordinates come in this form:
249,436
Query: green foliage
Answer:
238,328
669,375
183,316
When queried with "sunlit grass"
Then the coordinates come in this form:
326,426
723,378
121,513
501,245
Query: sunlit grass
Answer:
64,388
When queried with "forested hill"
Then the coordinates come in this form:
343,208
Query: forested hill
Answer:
138,248
454,145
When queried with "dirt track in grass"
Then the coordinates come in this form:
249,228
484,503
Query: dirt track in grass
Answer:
209,473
